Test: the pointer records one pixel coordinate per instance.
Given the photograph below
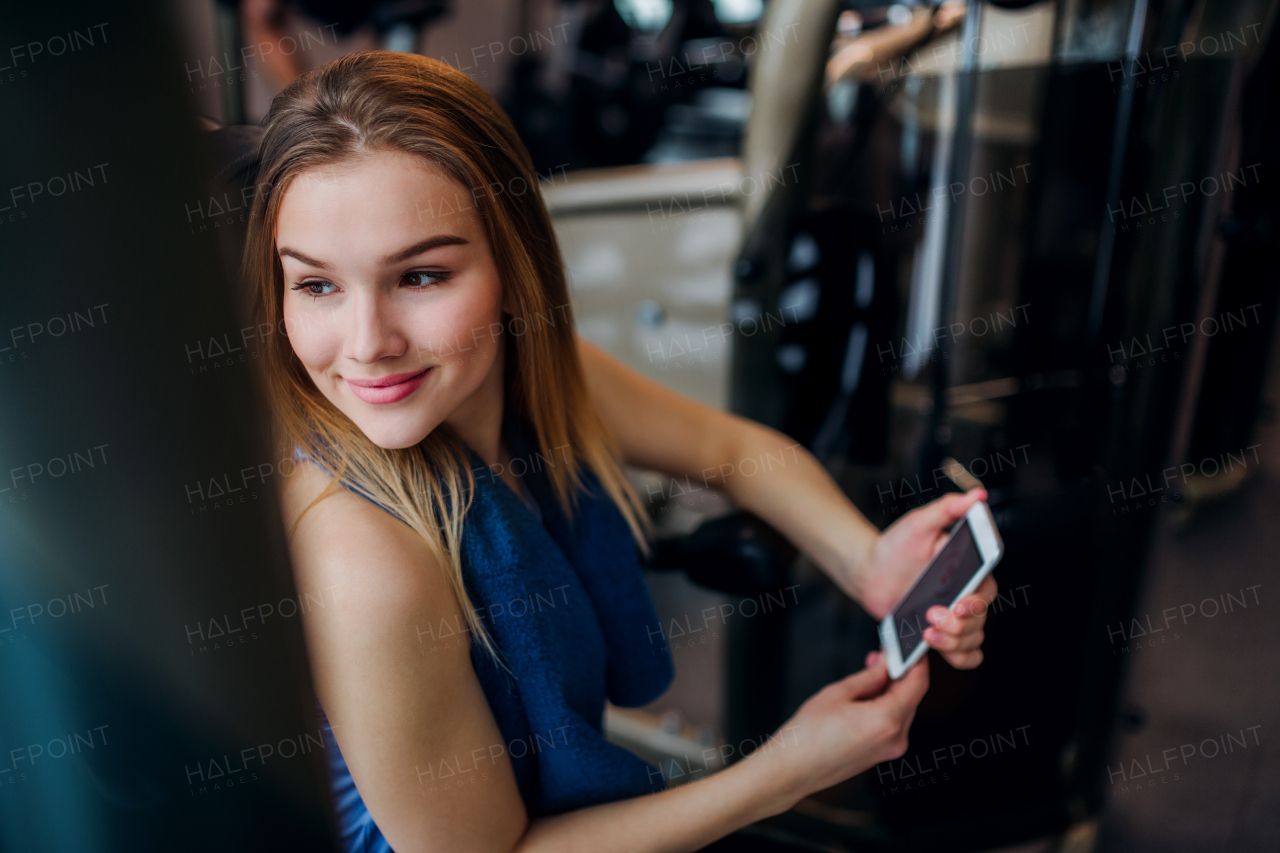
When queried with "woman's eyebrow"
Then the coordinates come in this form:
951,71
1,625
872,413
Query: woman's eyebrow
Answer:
309,261
423,246
394,258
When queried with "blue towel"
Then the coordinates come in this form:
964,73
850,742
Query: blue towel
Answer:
567,607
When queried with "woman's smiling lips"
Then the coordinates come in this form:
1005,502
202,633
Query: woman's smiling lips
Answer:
387,389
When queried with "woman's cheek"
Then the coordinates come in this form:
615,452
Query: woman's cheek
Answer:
312,338
461,329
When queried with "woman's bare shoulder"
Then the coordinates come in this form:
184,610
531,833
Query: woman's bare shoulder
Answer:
340,540
306,482
398,699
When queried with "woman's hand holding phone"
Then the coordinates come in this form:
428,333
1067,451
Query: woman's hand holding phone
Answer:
896,559
847,727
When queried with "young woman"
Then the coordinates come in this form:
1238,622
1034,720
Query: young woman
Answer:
467,454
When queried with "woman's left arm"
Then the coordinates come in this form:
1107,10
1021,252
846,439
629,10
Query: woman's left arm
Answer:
773,476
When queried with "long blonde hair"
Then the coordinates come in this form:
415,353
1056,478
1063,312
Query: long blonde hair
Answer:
402,102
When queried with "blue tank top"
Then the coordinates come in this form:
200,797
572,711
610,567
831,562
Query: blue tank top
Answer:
565,602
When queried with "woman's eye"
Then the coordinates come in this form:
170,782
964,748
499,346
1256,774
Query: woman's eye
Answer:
316,288
423,278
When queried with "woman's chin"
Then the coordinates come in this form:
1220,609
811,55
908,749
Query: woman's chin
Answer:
395,436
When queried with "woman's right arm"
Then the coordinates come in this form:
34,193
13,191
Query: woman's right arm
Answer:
426,754
845,728
392,669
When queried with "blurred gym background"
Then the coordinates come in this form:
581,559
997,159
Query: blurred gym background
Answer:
1037,237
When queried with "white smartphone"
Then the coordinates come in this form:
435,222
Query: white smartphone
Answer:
972,551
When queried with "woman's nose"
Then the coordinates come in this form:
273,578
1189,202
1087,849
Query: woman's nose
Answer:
372,332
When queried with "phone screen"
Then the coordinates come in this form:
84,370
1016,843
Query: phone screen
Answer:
942,581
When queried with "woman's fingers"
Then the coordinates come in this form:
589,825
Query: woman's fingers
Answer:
949,622
867,683
958,633
949,509
964,660
969,614
902,696
981,599
944,621
933,519
953,642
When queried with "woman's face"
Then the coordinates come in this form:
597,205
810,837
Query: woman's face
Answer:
391,306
